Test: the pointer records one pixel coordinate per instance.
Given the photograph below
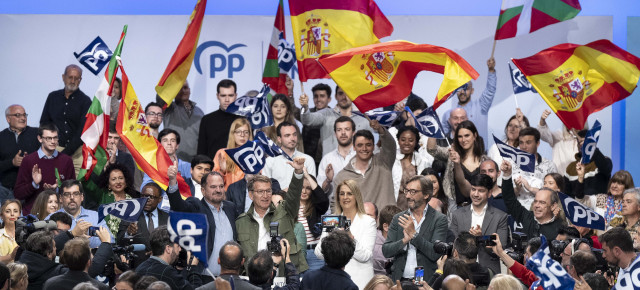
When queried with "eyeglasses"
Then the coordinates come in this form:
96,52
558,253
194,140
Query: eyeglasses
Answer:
49,139
150,197
241,132
18,115
411,191
69,194
152,114
263,192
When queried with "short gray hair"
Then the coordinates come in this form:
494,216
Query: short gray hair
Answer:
7,111
73,66
636,191
159,285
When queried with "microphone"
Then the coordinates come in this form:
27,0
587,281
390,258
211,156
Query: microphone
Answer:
129,248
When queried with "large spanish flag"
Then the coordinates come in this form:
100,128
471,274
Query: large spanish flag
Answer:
178,68
577,80
519,17
136,135
322,27
382,74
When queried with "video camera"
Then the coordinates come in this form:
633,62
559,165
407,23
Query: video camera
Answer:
27,225
274,245
330,222
519,243
443,248
556,248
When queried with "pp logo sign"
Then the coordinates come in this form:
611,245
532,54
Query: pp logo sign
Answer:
185,232
220,62
250,158
129,209
95,56
581,215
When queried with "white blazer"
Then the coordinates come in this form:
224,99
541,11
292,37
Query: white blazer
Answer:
360,267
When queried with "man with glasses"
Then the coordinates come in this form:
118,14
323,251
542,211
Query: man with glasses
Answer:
42,169
71,195
153,112
221,214
149,220
67,108
18,140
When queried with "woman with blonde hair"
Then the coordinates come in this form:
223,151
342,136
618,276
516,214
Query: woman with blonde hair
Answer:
46,203
379,282
10,212
349,204
504,282
19,276
239,134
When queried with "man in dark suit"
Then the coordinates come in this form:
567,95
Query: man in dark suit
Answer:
231,262
200,165
152,217
221,214
479,218
77,256
337,248
18,140
238,194
413,232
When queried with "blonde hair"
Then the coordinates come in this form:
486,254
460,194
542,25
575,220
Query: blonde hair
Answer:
355,190
377,280
6,203
504,282
237,123
18,272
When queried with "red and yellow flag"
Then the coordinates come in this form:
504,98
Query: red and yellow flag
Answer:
382,74
178,68
577,80
322,27
136,135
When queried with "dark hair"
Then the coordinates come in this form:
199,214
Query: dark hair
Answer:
596,281
559,179
47,126
154,185
159,239
342,119
583,262
69,183
130,277
103,179
112,126
363,133
231,260
226,83
201,159
322,87
5,275
466,245
478,144
569,231
617,237
41,204
167,131
582,133
203,180
285,124
144,282
260,267
530,131
337,249
151,104
426,186
285,100
440,194
413,130
534,244
386,215
416,103
40,242
62,217
482,180
76,254
457,267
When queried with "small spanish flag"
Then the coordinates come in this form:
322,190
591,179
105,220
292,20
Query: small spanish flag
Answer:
136,135
322,27
577,80
382,74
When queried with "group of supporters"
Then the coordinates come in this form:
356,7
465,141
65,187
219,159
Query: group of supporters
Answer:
361,206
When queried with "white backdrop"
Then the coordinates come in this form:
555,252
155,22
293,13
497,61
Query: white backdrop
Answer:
36,48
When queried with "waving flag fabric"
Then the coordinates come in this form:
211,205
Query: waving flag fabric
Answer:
324,27
581,215
135,134
382,74
428,123
552,275
519,81
519,17
96,128
127,209
385,118
274,75
577,80
178,68
256,109
190,231
270,147
590,143
524,160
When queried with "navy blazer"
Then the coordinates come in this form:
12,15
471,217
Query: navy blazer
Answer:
142,236
195,205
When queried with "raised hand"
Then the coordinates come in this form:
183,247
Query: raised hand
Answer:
17,160
506,168
36,174
297,164
543,118
304,101
172,173
454,156
376,126
491,64
329,172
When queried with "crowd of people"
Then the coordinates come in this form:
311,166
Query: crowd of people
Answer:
361,206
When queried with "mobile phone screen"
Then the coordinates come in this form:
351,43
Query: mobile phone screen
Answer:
419,275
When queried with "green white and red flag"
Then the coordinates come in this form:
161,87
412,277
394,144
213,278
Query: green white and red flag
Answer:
96,128
273,75
519,17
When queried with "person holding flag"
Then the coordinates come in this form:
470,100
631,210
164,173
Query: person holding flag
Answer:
591,178
516,123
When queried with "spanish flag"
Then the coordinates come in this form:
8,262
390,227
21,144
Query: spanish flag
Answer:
136,135
577,80
322,27
382,74
178,68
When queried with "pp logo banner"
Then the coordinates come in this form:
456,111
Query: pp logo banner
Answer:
590,143
631,278
524,160
551,273
218,63
190,230
385,118
128,209
519,81
286,54
581,215
256,109
250,157
95,56
428,123
270,147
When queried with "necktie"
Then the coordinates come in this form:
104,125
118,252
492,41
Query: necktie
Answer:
150,225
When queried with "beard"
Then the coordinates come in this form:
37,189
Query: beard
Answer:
347,143
155,125
71,88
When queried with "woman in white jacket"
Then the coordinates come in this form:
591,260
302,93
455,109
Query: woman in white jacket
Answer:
363,230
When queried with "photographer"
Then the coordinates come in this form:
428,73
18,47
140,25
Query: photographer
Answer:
263,266
337,248
617,249
580,263
77,257
517,269
165,254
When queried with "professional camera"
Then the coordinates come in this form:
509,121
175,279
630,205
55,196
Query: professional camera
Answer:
556,248
125,250
485,241
27,225
274,245
602,265
330,222
443,248
519,242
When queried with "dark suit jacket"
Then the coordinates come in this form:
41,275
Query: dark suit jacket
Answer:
142,237
433,228
193,204
237,193
495,221
240,284
189,182
327,278
70,280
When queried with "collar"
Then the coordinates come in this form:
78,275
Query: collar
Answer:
424,212
16,131
335,271
545,223
159,260
255,215
353,164
41,154
484,209
212,207
80,214
153,212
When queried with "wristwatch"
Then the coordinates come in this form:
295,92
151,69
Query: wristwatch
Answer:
414,236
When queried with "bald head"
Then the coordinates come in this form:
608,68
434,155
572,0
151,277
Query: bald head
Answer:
457,116
453,282
371,210
231,258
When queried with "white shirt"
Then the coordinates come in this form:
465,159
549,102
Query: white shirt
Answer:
476,219
412,260
278,169
197,189
421,160
337,162
535,179
263,234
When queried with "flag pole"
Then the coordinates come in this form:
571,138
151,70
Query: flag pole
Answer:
515,96
494,47
302,87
